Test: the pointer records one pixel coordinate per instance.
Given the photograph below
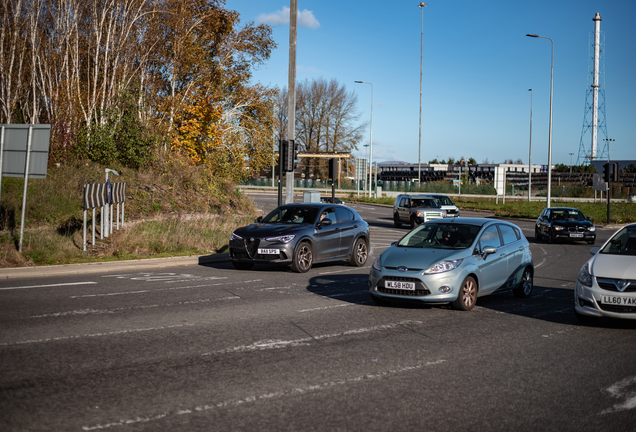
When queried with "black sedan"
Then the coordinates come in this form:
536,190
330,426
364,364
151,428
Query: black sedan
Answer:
564,223
300,235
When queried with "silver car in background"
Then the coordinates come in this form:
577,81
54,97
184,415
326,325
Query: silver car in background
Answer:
454,260
606,285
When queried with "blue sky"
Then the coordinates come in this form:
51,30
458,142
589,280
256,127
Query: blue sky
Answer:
477,68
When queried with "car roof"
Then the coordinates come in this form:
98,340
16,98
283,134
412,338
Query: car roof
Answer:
466,221
563,208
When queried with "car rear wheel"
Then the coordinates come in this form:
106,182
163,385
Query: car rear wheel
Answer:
359,253
242,265
467,295
303,258
524,289
396,221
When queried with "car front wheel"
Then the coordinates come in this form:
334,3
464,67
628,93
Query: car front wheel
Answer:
396,221
303,258
524,289
467,296
359,253
537,234
414,222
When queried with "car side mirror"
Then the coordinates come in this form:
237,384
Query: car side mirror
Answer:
259,219
588,218
325,222
488,250
595,250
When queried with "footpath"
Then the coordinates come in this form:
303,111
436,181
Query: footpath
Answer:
106,267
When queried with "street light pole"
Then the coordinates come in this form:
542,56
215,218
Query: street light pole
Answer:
550,133
530,153
571,162
419,154
370,139
609,183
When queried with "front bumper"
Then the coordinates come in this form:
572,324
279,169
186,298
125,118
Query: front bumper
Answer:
245,252
588,301
588,236
427,287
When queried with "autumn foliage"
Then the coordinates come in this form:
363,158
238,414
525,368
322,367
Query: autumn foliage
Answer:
119,80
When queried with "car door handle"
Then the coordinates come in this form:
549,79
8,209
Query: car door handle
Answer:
520,247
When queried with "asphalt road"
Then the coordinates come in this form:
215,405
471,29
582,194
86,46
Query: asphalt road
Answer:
208,347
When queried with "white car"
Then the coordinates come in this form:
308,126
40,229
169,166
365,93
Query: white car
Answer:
606,286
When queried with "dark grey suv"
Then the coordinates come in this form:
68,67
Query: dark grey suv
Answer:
300,235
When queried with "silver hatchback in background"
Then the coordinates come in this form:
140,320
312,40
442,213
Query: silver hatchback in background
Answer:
454,260
606,285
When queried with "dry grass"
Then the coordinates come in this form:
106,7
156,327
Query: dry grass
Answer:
160,237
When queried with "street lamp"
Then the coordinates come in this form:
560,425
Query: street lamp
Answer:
371,138
419,154
571,162
530,152
550,134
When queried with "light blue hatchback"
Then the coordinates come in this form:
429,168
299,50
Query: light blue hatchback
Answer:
454,260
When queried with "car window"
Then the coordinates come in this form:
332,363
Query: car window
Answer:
291,215
330,214
508,234
623,243
441,236
490,238
343,214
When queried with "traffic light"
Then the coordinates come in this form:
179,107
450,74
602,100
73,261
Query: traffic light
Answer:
333,167
606,172
286,155
296,158
615,169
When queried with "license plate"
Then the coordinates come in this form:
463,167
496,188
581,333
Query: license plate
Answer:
409,286
578,235
268,251
620,301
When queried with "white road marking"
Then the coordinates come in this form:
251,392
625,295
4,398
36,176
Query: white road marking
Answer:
274,344
48,286
540,264
115,310
626,390
160,289
93,335
265,396
327,307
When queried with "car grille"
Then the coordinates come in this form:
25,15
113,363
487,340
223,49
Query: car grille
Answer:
611,285
575,229
616,308
251,246
420,288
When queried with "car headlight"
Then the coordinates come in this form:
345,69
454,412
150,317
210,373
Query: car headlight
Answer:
585,278
282,239
236,237
558,228
376,264
592,229
443,266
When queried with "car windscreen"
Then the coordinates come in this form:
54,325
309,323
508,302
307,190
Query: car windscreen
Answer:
419,202
291,215
623,243
441,236
444,200
568,215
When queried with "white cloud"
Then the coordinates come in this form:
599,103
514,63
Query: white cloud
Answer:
305,18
